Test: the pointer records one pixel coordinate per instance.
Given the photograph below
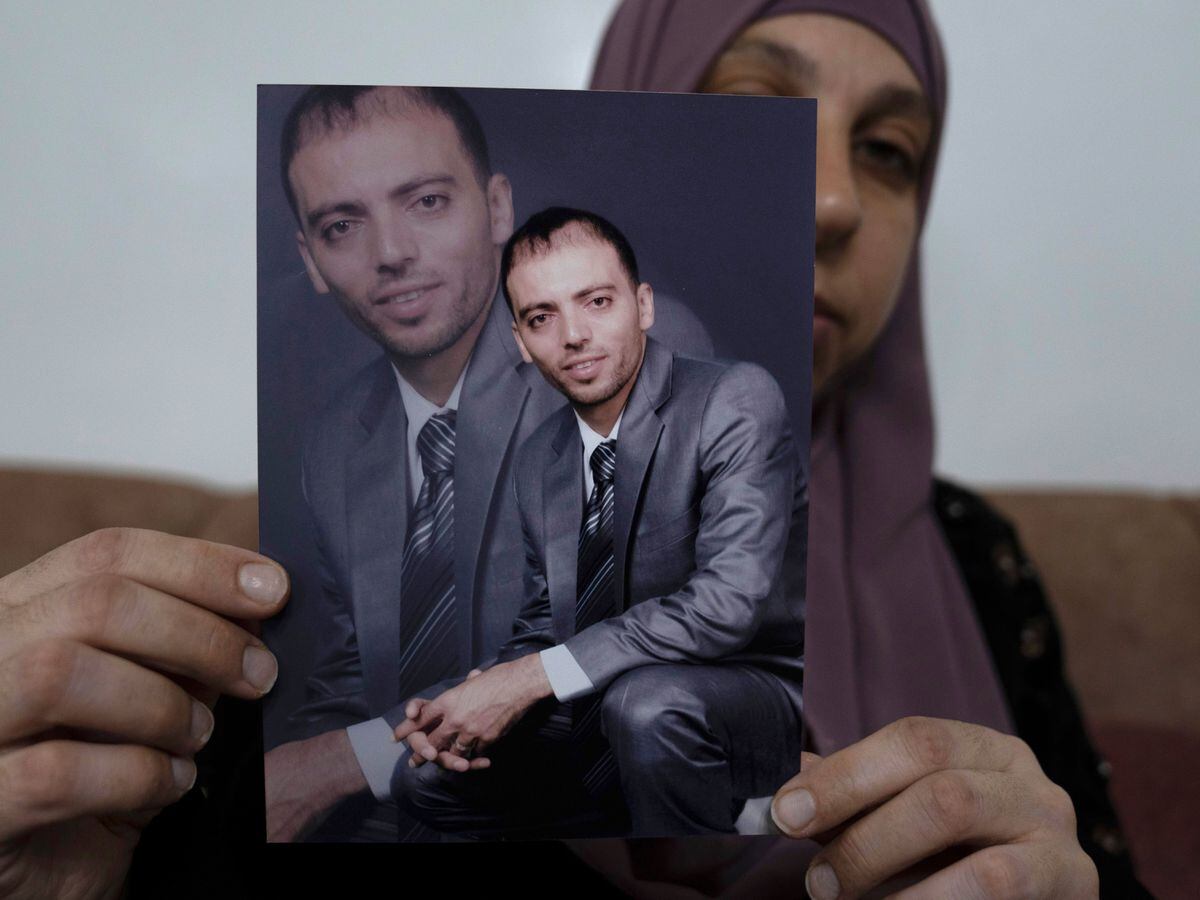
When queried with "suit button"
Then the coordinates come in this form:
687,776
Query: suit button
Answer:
1104,768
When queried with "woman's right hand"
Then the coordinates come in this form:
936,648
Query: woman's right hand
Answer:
113,650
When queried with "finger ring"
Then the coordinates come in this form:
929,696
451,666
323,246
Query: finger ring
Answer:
463,749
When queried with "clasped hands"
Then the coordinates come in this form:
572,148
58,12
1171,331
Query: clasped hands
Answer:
456,726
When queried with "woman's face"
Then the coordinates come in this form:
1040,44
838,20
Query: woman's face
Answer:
873,130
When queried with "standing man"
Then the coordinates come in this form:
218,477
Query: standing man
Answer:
406,473
656,509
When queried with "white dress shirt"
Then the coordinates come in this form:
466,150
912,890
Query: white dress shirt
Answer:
372,741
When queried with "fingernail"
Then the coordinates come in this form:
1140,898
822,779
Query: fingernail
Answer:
821,882
259,668
202,723
261,582
184,772
794,810
429,753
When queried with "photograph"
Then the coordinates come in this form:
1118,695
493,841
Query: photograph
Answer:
533,447
421,419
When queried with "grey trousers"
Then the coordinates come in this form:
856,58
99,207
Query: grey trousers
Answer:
691,743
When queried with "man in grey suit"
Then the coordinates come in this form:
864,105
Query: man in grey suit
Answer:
405,473
656,511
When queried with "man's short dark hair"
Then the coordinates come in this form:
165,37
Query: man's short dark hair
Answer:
536,236
326,108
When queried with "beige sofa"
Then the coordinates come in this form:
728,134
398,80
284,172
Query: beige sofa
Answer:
1122,570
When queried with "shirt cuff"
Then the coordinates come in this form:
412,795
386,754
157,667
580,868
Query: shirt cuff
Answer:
378,754
567,679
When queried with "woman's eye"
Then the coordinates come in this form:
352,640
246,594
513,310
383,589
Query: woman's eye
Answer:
886,155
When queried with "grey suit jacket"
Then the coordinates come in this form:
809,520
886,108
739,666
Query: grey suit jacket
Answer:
707,483
354,479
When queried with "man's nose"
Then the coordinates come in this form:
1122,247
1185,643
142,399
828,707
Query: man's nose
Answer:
839,208
576,330
396,246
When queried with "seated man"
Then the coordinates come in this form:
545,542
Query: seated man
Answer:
656,510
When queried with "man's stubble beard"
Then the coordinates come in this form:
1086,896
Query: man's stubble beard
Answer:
441,340
413,347
619,379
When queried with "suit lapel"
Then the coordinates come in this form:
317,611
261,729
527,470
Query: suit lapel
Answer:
493,397
377,513
562,518
636,443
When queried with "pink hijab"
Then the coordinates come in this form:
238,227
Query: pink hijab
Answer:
891,630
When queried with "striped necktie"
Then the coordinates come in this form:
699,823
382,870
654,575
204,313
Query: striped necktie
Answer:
595,602
427,611
593,581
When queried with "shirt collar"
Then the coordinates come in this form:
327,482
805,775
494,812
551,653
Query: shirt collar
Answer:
417,409
592,440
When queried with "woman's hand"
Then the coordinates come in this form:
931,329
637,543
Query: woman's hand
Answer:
956,810
113,649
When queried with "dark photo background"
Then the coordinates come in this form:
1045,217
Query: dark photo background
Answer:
714,193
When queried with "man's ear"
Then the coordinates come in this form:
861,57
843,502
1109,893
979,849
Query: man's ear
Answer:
499,194
521,344
314,276
645,302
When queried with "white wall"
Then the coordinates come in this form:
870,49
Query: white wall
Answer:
1062,251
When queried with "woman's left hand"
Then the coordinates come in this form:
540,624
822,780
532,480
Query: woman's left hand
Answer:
919,787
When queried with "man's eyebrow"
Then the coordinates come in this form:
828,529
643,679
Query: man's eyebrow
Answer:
789,59
344,207
534,307
353,207
580,294
420,182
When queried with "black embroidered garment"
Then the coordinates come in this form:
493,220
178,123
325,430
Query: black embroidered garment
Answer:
1023,637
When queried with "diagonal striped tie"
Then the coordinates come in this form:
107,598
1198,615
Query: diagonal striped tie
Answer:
595,602
427,612
595,573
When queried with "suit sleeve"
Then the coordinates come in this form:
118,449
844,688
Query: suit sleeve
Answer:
533,628
747,461
334,691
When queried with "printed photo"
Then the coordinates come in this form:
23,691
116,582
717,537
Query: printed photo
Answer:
534,393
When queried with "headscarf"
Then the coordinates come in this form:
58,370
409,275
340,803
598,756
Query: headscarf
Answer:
890,628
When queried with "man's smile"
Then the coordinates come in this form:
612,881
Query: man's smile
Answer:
585,368
404,295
